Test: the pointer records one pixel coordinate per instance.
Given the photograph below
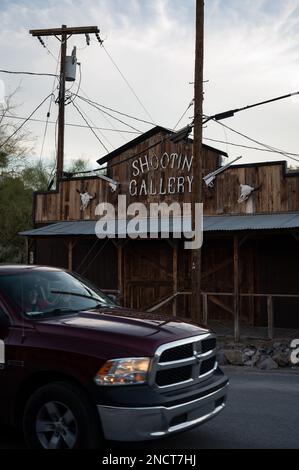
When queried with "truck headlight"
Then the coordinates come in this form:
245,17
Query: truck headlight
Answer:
130,371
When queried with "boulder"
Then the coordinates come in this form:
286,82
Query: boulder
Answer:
249,352
282,359
267,364
222,359
234,357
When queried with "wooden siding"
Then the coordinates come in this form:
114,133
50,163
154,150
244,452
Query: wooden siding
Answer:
279,190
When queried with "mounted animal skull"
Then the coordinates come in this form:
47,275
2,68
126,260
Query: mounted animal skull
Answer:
85,199
246,192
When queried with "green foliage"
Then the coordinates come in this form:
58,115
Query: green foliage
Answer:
15,216
36,177
78,166
19,178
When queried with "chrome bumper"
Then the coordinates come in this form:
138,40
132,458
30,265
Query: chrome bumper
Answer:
140,424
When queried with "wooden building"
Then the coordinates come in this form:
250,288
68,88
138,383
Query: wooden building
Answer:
250,274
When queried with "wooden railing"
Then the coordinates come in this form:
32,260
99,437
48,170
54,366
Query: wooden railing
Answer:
236,315
270,308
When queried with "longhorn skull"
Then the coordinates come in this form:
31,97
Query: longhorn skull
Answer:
246,192
85,199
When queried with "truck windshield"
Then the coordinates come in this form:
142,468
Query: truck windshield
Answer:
39,292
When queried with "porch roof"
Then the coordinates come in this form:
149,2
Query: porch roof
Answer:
221,223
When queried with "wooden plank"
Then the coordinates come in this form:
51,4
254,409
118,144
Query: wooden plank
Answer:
205,309
236,290
120,271
175,278
217,268
70,246
270,317
220,304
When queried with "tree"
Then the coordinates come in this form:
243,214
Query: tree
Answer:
15,216
15,143
20,176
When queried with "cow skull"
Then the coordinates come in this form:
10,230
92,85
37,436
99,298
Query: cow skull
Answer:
85,199
246,192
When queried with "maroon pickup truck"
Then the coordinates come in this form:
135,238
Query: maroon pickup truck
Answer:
76,369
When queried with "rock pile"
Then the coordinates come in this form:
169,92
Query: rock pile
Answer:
261,354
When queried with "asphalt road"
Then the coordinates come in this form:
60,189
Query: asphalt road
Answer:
262,413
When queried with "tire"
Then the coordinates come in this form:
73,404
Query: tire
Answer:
60,416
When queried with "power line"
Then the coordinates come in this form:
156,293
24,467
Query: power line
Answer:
184,114
113,117
109,121
73,96
27,119
127,82
49,111
69,124
90,121
239,145
29,73
274,149
141,153
131,157
232,112
94,133
121,113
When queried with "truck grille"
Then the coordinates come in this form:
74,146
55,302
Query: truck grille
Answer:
190,360
173,376
175,354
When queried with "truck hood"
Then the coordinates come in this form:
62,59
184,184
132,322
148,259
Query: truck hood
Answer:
123,331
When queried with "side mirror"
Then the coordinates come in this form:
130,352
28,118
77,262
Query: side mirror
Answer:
114,298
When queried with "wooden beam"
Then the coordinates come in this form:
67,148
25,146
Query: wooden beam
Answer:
175,277
213,270
120,271
61,105
198,163
27,250
69,30
205,309
155,264
220,304
70,246
270,317
236,290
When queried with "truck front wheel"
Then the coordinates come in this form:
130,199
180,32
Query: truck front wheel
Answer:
59,416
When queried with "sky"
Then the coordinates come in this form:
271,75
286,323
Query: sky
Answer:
251,54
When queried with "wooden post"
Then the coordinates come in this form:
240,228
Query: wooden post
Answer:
175,278
61,113
62,34
27,250
70,247
236,290
205,309
197,157
270,317
120,277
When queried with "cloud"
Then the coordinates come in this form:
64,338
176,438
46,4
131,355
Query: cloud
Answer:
251,54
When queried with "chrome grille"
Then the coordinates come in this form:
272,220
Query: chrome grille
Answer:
177,353
186,361
172,376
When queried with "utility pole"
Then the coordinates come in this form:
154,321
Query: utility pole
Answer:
197,159
63,34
